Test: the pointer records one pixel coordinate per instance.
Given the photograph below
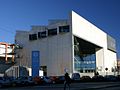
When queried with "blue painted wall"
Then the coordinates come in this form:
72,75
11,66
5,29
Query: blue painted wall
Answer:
35,63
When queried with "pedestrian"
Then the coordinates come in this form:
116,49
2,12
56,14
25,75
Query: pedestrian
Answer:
67,81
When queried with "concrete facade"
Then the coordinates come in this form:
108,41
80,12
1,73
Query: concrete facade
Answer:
105,58
57,48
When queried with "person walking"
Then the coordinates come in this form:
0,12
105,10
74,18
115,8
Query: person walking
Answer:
67,81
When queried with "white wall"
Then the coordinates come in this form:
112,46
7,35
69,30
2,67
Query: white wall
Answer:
55,51
89,32
100,59
111,59
59,53
22,38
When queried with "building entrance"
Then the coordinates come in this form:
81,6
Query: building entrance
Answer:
84,56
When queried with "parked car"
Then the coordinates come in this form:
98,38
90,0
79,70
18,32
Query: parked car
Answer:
54,79
4,82
23,81
85,78
75,77
38,80
61,79
98,78
30,80
47,79
110,78
118,77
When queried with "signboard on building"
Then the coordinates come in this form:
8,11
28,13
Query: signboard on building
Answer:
111,45
35,63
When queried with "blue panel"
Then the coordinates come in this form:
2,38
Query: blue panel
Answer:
35,63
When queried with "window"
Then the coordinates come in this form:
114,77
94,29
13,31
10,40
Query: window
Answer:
30,37
42,34
52,32
33,37
64,29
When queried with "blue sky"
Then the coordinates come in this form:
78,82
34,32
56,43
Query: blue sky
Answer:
21,14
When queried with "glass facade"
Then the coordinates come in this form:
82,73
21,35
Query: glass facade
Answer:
84,56
85,64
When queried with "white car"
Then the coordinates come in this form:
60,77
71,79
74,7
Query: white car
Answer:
46,79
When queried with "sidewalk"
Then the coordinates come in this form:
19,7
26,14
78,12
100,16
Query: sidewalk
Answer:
85,86
95,86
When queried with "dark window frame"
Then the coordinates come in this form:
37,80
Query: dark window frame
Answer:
52,32
32,36
64,29
42,34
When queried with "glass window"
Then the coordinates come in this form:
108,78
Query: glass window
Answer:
42,34
33,37
86,65
52,32
63,29
30,37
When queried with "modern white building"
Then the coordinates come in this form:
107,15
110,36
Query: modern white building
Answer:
73,45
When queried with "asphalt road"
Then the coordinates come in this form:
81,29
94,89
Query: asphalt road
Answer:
74,86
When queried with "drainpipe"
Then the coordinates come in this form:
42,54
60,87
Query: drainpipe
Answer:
6,47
